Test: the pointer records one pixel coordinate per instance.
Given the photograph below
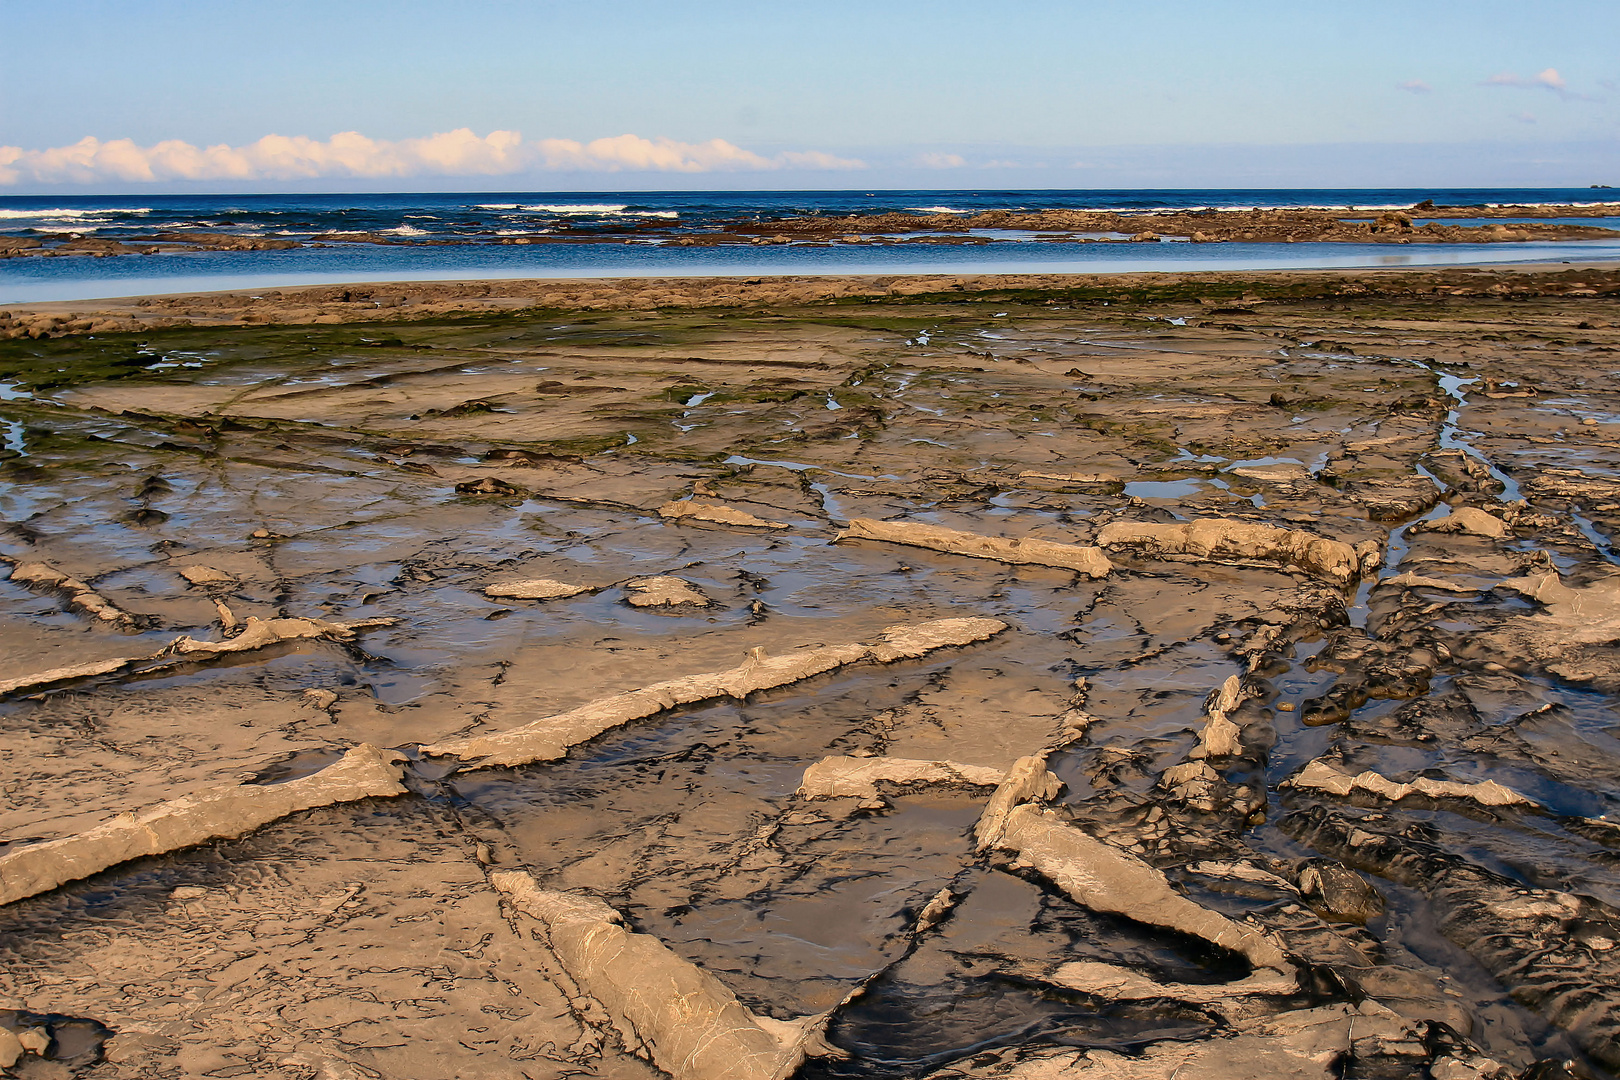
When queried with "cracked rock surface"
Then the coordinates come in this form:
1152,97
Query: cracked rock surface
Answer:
1217,681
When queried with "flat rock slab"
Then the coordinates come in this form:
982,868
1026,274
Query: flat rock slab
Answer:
534,589
714,512
664,591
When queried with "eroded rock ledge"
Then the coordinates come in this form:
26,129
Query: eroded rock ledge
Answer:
1082,559
217,814
661,1005
1222,539
549,738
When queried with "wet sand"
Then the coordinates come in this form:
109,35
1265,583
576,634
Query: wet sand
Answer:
1252,715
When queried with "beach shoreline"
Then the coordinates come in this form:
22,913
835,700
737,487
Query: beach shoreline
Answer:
406,301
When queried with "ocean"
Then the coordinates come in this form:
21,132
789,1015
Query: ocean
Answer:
397,237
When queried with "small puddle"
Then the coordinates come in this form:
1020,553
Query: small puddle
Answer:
1163,489
75,1041
15,437
297,766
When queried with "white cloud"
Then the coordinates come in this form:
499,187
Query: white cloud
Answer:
350,154
1416,86
1544,80
941,161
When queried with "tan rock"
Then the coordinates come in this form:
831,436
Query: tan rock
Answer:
721,515
836,777
219,813
1083,559
691,1025
1318,775
664,591
534,589
550,737
256,634
1028,780
1219,539
1471,520
206,575
1104,878
80,596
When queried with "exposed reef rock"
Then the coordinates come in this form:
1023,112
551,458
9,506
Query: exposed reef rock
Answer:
720,515
1554,950
364,772
838,777
680,1016
1319,775
664,591
255,634
1218,539
1104,878
534,589
1089,561
549,738
80,596
1330,551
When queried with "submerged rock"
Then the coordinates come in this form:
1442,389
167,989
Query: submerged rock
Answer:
1337,892
1538,942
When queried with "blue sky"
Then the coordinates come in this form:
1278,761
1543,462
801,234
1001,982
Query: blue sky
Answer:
821,93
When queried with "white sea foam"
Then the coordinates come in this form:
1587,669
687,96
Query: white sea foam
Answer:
595,210
937,210
576,208
496,206
63,214
404,230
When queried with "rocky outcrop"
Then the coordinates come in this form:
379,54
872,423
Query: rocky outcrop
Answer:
1104,878
80,596
534,589
716,513
858,777
549,738
1554,950
663,591
1320,775
1471,520
255,634
662,1006
362,773
1082,559
1219,540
